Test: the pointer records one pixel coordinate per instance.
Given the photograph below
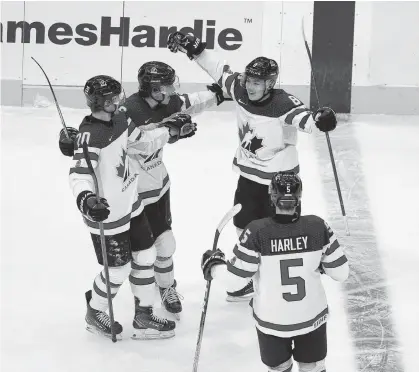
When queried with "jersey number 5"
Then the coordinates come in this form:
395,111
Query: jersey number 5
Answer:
294,280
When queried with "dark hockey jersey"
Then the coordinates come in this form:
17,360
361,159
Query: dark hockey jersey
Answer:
110,145
156,179
268,131
285,261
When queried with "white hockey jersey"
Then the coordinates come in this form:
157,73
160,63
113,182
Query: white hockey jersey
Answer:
285,261
156,179
109,146
267,131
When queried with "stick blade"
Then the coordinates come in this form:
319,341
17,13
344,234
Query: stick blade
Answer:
228,216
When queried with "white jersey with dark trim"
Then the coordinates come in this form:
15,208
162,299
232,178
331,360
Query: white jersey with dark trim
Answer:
111,145
284,260
267,130
156,179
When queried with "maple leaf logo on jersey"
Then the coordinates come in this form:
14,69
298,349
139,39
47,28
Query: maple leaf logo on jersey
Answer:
122,169
249,140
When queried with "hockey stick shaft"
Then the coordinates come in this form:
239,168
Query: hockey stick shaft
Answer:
55,99
228,216
102,243
329,144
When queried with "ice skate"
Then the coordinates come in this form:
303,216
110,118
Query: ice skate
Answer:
171,300
98,322
244,294
148,326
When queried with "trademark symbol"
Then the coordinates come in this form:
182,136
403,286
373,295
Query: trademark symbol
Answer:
248,20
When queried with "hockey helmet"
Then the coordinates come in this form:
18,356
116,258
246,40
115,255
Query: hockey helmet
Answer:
285,190
157,77
101,90
262,68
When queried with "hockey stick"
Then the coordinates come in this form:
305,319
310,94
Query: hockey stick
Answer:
55,99
102,242
229,215
329,144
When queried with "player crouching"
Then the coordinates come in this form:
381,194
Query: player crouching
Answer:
285,255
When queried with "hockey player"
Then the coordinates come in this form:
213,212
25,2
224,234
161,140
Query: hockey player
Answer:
268,120
157,100
111,139
285,254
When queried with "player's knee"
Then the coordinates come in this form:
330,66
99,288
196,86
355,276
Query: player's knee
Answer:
283,367
145,257
117,275
239,231
312,367
165,245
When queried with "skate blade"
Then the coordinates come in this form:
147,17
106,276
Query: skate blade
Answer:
151,334
244,298
95,331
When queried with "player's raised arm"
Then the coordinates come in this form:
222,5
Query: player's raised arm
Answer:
215,67
178,126
197,102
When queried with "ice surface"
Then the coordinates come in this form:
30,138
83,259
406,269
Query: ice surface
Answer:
47,262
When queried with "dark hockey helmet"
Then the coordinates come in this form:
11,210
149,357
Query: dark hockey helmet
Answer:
285,190
262,68
154,75
102,89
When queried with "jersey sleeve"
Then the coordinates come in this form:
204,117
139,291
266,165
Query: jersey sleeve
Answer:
195,103
220,71
146,142
80,178
243,264
297,115
334,261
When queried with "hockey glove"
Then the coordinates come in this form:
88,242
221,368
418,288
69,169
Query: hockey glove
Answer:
88,205
180,126
325,119
211,259
67,144
215,88
188,44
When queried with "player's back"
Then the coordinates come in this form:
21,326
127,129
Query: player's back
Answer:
289,296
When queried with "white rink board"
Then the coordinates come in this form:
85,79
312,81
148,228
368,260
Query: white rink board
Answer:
11,67
71,63
223,25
